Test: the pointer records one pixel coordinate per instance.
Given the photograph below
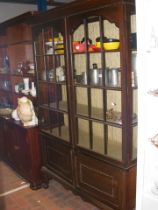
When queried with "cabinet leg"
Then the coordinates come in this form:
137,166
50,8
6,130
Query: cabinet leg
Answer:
45,180
35,186
45,185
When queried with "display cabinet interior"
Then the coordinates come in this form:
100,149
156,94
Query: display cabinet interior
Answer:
99,92
52,89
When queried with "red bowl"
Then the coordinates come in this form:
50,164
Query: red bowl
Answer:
80,47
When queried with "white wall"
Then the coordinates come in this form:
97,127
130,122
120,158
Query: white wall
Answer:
147,68
9,10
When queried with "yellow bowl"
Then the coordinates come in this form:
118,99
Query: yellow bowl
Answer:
111,45
59,46
98,44
59,51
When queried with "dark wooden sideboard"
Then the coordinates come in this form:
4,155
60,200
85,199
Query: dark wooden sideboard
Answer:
20,149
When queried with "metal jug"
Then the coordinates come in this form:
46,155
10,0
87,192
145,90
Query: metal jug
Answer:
113,77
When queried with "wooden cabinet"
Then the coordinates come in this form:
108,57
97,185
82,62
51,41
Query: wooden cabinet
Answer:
6,99
54,118
2,143
19,145
21,150
104,183
88,109
57,157
16,59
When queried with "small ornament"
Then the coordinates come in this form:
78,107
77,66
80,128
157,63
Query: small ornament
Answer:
33,89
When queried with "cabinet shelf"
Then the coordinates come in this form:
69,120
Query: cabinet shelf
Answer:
25,42
2,74
99,87
100,51
114,148
5,91
62,106
52,82
23,75
51,54
97,113
61,132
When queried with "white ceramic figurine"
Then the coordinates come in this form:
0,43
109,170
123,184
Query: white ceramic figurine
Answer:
25,112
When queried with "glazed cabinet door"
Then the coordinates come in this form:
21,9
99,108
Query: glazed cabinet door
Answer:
6,100
104,84
105,113
50,58
54,115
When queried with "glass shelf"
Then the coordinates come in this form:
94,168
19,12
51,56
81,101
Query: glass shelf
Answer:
97,113
114,149
100,51
62,132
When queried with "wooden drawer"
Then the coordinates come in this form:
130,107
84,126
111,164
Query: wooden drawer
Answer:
102,182
57,157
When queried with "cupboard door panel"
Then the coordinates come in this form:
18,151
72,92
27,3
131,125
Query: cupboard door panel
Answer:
99,180
57,157
22,150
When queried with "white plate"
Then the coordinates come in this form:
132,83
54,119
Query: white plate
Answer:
26,92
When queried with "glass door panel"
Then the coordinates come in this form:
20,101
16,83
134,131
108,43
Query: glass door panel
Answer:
83,133
79,71
39,42
113,70
60,125
111,31
114,145
40,63
77,44
97,73
135,105
44,119
114,113
48,42
134,142
97,104
99,144
43,95
134,86
54,95
81,101
60,69
63,102
51,72
95,70
58,96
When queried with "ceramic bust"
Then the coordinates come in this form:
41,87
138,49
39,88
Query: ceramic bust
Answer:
25,112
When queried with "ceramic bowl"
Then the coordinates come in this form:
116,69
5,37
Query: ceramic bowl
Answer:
111,45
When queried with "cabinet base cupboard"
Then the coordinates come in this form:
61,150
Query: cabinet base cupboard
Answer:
21,150
87,99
